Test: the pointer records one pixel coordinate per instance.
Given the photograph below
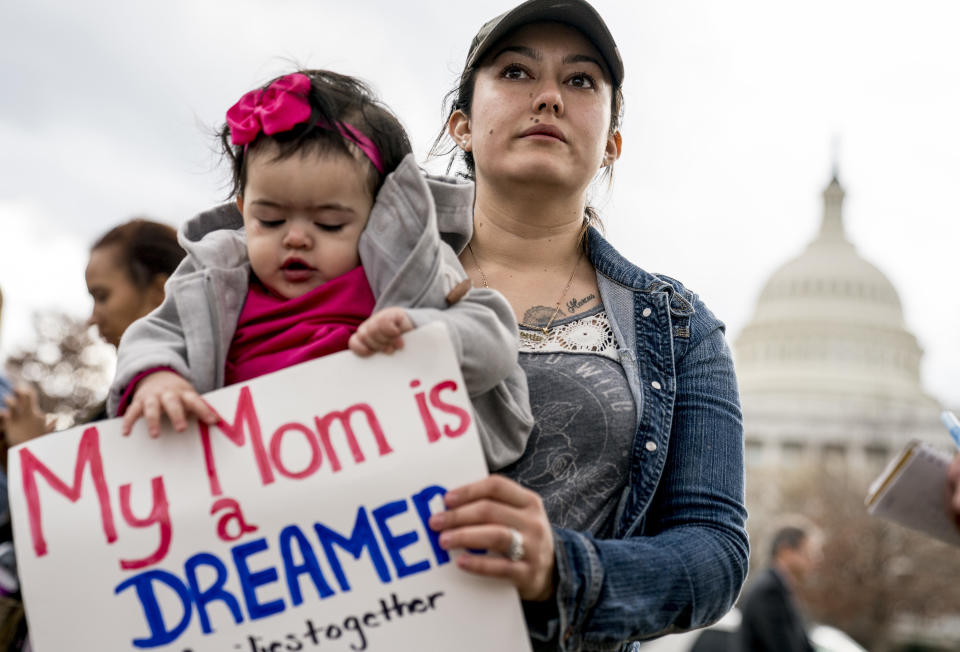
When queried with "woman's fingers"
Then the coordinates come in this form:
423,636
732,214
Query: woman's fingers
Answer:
494,487
478,512
495,538
484,515
22,419
531,572
14,403
494,567
527,572
29,395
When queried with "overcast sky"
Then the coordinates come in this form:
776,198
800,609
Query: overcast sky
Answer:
732,112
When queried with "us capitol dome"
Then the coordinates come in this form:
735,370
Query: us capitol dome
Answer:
827,368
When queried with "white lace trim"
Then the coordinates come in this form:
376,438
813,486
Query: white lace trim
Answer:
590,334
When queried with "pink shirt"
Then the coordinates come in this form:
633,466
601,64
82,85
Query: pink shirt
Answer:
274,333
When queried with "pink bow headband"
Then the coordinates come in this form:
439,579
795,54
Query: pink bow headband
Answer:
280,107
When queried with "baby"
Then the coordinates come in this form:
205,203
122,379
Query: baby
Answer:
336,240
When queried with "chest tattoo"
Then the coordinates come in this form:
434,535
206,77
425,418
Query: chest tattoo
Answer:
574,304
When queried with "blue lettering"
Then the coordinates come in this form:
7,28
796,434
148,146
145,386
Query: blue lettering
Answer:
215,592
299,559
397,543
422,502
143,583
250,581
362,537
310,564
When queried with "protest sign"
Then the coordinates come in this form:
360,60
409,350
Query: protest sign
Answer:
296,523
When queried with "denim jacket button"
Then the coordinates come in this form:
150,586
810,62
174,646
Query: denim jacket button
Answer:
650,446
646,312
655,384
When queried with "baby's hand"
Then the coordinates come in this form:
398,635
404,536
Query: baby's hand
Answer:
170,393
381,332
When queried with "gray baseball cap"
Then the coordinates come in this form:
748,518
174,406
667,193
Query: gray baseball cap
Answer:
576,13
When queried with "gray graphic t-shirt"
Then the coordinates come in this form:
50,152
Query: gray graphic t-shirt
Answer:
578,455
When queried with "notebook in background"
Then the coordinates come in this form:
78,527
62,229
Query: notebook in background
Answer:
912,491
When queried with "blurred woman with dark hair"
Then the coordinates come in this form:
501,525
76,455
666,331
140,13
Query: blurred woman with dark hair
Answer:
128,267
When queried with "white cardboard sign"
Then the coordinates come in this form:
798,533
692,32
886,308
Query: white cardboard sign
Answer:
297,523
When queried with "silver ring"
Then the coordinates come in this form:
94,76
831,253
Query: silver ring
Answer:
516,551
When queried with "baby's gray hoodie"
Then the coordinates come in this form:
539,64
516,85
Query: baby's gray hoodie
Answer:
408,249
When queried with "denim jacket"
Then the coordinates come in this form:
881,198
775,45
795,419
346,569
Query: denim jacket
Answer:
679,553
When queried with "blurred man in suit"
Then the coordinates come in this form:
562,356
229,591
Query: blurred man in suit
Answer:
771,617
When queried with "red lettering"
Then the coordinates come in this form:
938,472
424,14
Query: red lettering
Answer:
246,414
438,403
159,514
323,428
433,431
88,452
234,515
276,443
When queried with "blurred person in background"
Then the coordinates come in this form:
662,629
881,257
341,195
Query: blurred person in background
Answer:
5,390
127,270
19,416
5,387
125,276
771,617
953,485
12,622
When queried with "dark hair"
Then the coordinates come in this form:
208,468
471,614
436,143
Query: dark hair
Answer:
460,98
145,248
790,537
334,98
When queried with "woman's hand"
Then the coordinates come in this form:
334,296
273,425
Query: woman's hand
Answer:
170,393
22,419
381,332
953,485
482,515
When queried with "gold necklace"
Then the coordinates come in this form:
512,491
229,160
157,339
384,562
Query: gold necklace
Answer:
556,311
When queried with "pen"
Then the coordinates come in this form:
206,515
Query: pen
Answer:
950,421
